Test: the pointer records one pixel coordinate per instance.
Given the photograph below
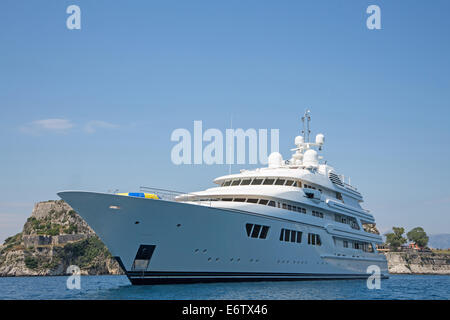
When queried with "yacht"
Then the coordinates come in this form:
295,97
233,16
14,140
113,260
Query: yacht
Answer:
295,219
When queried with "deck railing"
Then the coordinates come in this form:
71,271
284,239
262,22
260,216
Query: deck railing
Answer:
170,195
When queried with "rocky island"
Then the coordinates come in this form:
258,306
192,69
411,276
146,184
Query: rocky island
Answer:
55,237
52,239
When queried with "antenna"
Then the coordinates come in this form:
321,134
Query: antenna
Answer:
307,131
231,125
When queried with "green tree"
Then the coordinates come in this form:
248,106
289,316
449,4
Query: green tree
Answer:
418,236
395,239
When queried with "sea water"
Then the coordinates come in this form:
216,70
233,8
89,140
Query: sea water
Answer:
118,287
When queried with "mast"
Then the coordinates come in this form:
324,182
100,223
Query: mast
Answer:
306,132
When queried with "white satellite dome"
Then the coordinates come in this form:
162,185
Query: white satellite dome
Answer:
320,139
275,160
299,140
310,158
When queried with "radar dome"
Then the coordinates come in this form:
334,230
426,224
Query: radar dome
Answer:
275,160
310,158
298,140
320,138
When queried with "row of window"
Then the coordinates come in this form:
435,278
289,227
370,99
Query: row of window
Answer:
252,200
317,214
257,230
291,207
338,217
273,181
261,181
347,220
314,239
364,246
291,235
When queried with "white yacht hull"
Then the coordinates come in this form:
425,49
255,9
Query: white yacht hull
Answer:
194,243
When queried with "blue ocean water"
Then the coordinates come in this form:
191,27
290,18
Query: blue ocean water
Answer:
118,287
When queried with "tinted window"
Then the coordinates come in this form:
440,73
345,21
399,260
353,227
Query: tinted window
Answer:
248,227
287,235
293,235
257,181
256,230
245,182
264,231
252,200
299,237
239,200
290,182
280,182
272,203
235,182
262,201
226,183
269,181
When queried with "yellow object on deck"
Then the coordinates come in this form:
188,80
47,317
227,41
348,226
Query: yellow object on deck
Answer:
139,195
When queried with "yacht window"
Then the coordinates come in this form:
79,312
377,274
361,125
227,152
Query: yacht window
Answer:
287,235
289,207
318,241
239,200
235,182
272,203
249,227
269,181
264,231
303,210
311,239
226,183
263,201
227,199
257,181
282,235
290,182
255,232
278,204
299,237
338,196
245,182
294,208
284,206
252,200
280,182
299,184
293,235
345,244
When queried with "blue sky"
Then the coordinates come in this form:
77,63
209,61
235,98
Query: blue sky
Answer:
137,70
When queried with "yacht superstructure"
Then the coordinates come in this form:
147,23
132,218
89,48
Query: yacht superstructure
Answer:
293,220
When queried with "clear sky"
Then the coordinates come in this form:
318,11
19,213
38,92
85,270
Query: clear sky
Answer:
137,70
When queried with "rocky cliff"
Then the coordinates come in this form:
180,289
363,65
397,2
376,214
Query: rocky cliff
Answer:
53,238
418,262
